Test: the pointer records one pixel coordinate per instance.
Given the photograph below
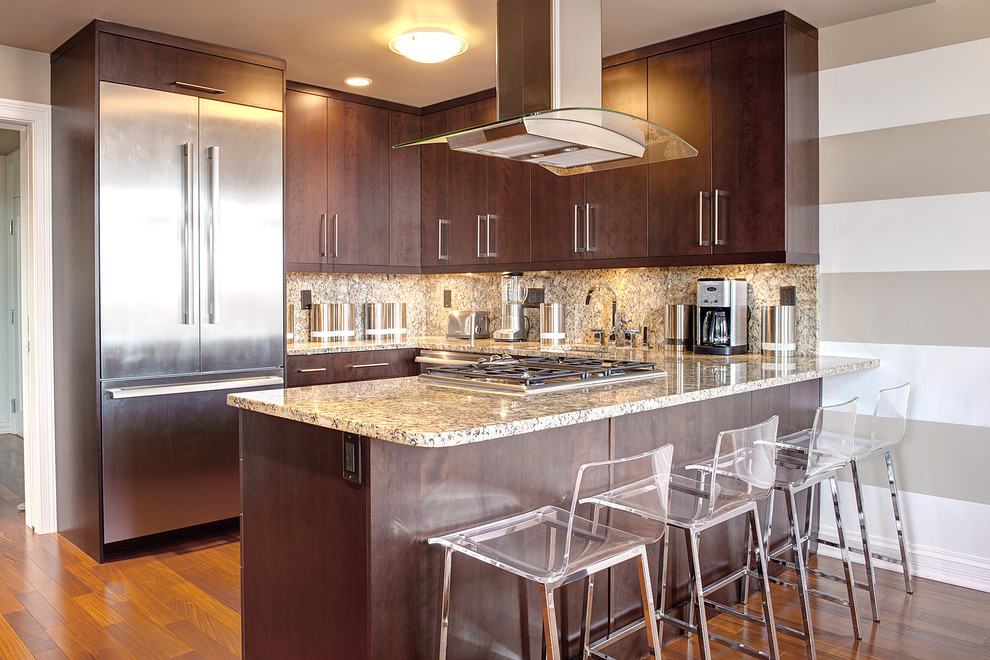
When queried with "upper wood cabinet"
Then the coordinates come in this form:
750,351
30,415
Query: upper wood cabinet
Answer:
748,103
341,175
476,209
602,215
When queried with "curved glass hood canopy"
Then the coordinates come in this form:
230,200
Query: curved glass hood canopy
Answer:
549,93
569,140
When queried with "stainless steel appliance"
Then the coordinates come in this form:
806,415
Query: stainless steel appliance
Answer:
385,321
332,322
515,325
190,299
528,375
468,324
678,323
720,324
552,331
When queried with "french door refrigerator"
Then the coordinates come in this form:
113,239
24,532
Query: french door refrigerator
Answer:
190,287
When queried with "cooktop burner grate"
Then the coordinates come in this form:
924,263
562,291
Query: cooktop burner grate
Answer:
530,374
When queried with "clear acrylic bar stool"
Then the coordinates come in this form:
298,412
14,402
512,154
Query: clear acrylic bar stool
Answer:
743,474
888,429
804,460
553,547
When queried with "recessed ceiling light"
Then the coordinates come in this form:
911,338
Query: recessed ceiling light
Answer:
358,81
428,45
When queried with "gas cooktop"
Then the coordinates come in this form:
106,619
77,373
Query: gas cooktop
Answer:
525,375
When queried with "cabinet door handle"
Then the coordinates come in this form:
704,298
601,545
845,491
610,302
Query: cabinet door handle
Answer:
370,364
335,235
188,214
702,195
577,212
311,370
323,231
199,88
588,247
480,218
441,223
716,239
488,235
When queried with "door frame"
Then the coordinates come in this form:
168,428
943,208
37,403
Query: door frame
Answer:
34,122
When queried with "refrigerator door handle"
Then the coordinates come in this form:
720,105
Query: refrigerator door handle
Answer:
213,236
186,388
188,213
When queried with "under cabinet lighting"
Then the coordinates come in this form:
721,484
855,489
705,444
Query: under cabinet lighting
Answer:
428,45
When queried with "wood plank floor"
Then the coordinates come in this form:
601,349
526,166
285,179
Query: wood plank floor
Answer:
55,602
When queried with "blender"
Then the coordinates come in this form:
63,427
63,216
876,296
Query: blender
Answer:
515,325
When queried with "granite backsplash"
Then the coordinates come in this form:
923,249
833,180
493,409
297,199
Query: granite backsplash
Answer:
642,292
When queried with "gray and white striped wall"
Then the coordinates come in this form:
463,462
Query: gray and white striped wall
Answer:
905,263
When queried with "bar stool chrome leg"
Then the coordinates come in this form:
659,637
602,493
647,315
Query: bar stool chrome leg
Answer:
645,588
846,562
802,575
864,532
908,586
445,603
699,596
550,623
761,563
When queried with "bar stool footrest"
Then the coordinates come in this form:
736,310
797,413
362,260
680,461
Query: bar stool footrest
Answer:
813,592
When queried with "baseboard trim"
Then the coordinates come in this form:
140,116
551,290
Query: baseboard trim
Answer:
933,563
5,425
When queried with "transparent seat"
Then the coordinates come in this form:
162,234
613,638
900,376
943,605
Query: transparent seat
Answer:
804,460
888,428
553,546
702,495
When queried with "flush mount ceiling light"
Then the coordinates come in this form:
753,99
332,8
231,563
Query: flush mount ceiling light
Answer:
357,81
428,45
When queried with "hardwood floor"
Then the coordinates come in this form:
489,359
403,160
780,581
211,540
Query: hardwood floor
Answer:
55,602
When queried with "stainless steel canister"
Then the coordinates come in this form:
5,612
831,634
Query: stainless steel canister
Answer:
552,324
331,322
385,321
678,322
779,334
290,322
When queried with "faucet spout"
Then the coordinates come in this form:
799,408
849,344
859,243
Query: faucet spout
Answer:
615,307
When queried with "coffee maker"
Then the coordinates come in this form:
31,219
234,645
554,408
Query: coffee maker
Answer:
514,322
720,324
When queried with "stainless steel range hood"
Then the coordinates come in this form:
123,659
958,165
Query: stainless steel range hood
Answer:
549,93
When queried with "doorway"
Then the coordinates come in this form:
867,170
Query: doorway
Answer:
34,410
11,417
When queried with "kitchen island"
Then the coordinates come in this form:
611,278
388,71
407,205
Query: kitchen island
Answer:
342,485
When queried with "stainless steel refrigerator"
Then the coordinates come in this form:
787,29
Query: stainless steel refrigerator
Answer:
191,299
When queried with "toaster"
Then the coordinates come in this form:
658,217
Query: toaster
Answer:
466,323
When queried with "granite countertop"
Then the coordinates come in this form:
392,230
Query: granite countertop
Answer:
413,412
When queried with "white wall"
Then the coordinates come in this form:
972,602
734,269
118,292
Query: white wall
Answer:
26,75
905,268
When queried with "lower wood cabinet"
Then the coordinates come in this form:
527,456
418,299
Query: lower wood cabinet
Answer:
351,366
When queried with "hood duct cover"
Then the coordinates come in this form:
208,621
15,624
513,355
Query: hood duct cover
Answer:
549,97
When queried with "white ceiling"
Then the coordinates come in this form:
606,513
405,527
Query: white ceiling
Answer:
325,41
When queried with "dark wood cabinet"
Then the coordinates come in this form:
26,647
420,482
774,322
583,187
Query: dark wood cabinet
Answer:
359,179
306,180
748,103
434,159
129,57
476,210
467,198
351,366
342,180
602,215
